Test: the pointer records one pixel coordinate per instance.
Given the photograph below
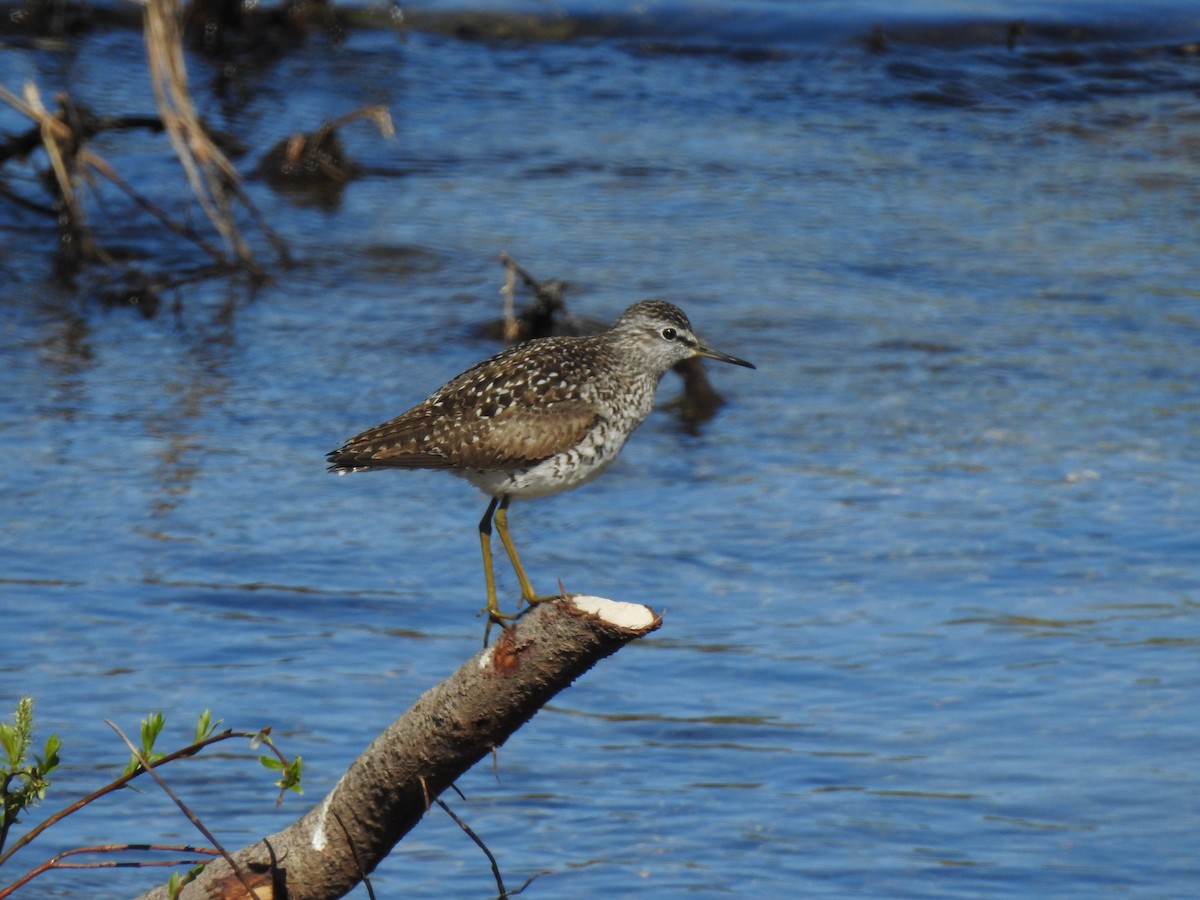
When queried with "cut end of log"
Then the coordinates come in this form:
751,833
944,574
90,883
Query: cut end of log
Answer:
633,619
630,616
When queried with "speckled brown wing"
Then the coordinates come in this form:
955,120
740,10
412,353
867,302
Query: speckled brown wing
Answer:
517,408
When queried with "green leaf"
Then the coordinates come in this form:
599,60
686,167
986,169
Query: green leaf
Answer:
175,883
291,776
16,737
289,779
270,762
205,726
48,761
8,740
152,725
23,719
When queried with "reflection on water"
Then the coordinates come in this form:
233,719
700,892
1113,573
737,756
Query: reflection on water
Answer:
930,582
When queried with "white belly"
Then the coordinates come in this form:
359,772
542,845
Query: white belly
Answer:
580,464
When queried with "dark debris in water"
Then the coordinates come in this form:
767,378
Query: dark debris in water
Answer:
136,294
315,164
1053,64
917,346
749,54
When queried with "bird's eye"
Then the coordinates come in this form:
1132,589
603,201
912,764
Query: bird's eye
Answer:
669,334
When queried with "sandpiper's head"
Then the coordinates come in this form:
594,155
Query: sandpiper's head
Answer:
659,335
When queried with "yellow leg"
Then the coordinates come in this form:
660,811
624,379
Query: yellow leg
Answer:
489,577
528,594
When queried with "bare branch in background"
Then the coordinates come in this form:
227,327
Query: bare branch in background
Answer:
210,173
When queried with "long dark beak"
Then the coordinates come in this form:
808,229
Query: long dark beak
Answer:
701,350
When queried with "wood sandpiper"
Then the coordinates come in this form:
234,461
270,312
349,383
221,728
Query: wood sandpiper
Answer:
542,417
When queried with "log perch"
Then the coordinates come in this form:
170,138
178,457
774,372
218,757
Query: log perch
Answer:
452,726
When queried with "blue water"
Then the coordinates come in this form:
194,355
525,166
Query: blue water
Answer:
931,579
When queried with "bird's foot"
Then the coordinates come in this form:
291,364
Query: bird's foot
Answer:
505,620
562,594
495,617
532,600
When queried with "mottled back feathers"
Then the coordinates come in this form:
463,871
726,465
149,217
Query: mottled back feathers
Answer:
517,408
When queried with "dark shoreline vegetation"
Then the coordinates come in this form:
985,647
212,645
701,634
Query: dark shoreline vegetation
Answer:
311,164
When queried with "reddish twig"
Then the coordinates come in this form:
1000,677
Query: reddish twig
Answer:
192,817
117,784
55,861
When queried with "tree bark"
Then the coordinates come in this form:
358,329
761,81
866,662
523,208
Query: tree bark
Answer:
453,725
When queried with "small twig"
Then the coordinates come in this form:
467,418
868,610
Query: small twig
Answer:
377,114
511,329
482,846
509,263
25,203
192,817
276,242
528,881
54,861
366,879
547,315
117,784
101,165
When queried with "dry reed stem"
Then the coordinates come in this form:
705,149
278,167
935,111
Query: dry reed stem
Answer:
508,290
55,132
208,170
377,114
